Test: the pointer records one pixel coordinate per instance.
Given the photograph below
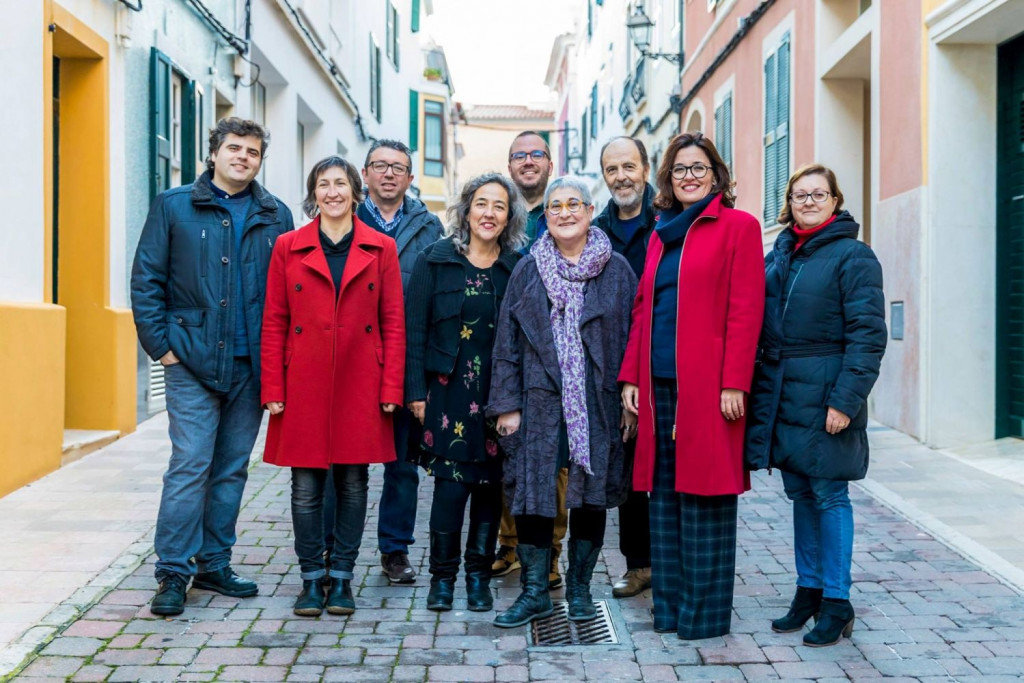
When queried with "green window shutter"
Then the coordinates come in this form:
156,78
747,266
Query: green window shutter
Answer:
727,125
782,124
720,129
770,115
160,122
414,120
415,24
379,101
546,137
191,105
397,25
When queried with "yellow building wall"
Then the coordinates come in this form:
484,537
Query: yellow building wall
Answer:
430,186
32,402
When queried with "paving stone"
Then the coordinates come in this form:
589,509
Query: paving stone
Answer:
74,647
709,673
658,672
409,672
808,669
121,658
253,673
612,670
133,674
54,666
330,656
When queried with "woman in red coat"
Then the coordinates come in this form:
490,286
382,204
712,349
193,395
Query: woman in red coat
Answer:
686,373
333,354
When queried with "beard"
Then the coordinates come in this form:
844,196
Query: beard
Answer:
628,196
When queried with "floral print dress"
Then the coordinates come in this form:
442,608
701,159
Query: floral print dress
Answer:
459,442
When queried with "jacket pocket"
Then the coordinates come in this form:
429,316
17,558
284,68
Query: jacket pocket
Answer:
380,354
186,317
287,357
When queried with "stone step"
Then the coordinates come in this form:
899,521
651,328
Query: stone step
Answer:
80,442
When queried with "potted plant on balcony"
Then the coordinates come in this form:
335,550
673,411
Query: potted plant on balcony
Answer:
432,73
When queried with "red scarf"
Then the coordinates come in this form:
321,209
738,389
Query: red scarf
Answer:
804,235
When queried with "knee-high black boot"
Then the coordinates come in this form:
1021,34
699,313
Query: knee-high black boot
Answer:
534,602
582,560
444,567
479,558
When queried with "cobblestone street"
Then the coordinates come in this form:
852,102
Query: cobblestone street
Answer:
924,613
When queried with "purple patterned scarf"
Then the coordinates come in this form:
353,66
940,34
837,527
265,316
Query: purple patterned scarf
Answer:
566,282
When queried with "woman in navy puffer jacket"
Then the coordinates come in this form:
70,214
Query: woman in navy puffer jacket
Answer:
821,347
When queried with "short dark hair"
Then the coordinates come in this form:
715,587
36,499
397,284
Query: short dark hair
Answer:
390,144
531,132
232,125
786,215
309,206
644,160
666,198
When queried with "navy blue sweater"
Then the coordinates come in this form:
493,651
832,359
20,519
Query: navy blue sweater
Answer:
671,227
238,206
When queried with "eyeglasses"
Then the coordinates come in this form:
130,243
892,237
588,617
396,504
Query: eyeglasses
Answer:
818,196
520,157
697,170
574,205
383,166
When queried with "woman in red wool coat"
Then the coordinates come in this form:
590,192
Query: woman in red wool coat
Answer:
686,373
333,354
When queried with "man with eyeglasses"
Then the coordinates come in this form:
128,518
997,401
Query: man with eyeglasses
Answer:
388,175
628,219
530,167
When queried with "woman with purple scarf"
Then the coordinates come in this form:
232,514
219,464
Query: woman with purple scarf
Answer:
558,347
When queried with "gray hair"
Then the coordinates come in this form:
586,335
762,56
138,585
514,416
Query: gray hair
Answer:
570,182
512,238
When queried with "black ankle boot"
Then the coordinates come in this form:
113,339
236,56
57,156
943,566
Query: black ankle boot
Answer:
310,602
479,558
444,567
339,599
582,560
805,605
836,620
534,602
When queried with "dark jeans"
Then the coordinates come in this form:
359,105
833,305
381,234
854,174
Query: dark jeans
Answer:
212,435
397,509
448,509
635,530
585,524
308,487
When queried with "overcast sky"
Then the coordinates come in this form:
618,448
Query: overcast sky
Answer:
498,50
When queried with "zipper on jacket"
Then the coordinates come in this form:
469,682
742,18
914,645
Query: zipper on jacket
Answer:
202,252
788,294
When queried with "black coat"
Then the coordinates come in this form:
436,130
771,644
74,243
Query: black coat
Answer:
433,311
527,377
635,247
419,228
184,273
821,345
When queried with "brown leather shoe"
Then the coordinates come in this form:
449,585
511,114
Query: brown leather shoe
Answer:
505,561
397,568
633,582
554,577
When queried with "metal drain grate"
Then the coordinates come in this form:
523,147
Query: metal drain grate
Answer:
558,630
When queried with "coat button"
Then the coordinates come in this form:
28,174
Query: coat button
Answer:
224,260
298,329
220,345
223,303
225,222
369,329
298,288
371,286
180,320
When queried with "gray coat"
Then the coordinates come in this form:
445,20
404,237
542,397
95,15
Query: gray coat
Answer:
526,377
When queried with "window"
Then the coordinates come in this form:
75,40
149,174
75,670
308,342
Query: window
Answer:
433,138
375,79
593,112
176,87
391,38
259,115
723,130
584,141
176,110
776,129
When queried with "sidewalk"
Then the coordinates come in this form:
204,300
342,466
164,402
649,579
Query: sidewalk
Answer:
83,537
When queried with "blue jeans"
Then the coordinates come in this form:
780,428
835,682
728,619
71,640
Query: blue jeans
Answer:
397,509
822,533
349,483
212,435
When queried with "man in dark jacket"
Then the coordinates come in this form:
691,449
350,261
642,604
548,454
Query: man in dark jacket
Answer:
628,220
197,287
530,167
388,175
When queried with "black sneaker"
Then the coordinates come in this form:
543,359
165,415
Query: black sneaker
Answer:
397,568
226,582
170,596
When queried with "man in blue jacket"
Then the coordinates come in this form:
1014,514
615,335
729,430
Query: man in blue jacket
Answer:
197,287
388,176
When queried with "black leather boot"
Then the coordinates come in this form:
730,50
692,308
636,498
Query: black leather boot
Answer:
310,602
339,597
444,567
170,596
582,560
836,620
805,605
479,558
534,602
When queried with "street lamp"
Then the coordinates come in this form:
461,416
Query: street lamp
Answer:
640,26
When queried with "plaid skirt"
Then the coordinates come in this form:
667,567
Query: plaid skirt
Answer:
693,542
